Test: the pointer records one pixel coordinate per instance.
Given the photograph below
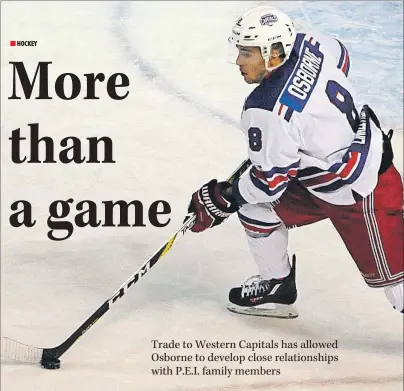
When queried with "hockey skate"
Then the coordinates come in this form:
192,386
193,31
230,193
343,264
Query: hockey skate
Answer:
270,298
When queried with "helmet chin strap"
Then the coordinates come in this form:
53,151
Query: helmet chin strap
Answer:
271,69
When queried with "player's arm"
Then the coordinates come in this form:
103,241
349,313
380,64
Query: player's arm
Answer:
341,54
273,151
273,154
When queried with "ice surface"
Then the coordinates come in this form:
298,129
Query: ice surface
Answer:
176,130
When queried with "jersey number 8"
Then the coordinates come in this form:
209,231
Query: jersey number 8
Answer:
255,139
342,100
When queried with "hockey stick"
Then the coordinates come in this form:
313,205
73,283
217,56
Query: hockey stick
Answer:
49,357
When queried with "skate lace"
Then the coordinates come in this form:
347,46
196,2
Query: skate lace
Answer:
253,286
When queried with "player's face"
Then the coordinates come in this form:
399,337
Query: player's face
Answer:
251,64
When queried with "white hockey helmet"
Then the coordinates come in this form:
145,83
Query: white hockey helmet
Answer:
263,27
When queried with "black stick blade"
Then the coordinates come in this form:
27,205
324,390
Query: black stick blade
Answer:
17,351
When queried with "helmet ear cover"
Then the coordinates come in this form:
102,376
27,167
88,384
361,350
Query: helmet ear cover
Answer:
275,46
268,54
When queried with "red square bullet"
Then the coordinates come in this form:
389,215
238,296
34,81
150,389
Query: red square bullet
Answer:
12,43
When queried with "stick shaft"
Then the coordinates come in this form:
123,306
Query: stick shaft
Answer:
56,352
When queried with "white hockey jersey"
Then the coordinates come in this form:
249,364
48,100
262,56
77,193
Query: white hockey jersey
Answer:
302,122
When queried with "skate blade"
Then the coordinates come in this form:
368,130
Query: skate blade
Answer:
269,310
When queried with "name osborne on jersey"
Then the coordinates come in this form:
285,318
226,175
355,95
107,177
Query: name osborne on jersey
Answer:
305,75
304,78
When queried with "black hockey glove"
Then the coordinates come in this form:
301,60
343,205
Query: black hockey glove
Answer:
210,206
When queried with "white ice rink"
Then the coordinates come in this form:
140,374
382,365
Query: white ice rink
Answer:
176,130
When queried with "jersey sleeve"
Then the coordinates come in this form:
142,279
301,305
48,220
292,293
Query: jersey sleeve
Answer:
273,152
337,50
344,62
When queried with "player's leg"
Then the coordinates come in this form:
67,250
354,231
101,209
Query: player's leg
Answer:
265,226
395,295
372,231
267,238
273,290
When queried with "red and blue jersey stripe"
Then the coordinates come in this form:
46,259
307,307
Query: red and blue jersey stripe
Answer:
344,61
257,228
275,180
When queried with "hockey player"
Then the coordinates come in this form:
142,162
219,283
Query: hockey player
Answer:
314,155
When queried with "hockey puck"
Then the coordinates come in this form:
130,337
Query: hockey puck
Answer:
50,363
